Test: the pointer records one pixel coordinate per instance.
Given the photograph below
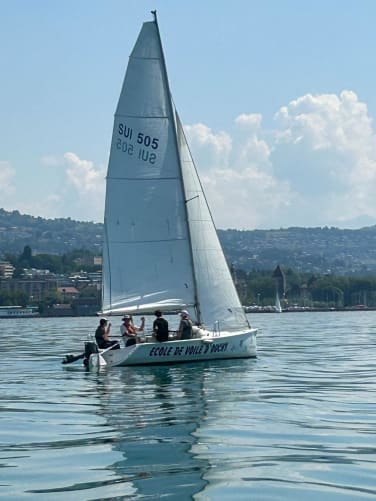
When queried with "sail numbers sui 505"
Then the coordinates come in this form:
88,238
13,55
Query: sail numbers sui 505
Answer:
144,144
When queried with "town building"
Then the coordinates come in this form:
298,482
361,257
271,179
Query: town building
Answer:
35,289
6,269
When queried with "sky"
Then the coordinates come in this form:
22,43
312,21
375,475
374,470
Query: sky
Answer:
277,98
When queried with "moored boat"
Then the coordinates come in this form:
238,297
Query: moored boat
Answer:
18,312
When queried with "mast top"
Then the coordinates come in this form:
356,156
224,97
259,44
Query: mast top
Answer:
154,12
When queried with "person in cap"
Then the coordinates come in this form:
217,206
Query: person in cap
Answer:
185,326
160,327
129,331
102,335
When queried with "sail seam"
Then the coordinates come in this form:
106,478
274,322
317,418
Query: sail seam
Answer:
117,178
147,241
141,116
146,58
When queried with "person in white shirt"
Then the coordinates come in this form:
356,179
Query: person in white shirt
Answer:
129,331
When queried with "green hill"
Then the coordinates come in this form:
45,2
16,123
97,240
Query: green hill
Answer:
50,236
317,250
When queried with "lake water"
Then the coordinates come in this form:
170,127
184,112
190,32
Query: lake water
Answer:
298,422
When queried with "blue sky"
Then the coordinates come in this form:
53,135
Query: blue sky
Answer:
277,97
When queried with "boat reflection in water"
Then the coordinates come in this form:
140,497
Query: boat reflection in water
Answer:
155,412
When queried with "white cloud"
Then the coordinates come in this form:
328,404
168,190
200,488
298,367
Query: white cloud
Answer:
236,174
245,197
327,121
214,148
250,146
249,121
316,167
7,173
83,175
325,145
88,182
70,186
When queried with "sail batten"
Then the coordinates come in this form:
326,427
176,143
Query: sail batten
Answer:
146,58
141,180
131,242
119,115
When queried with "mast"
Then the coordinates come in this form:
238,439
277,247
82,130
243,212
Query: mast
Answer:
172,113
106,249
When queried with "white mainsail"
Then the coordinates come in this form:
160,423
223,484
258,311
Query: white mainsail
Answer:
161,248
146,258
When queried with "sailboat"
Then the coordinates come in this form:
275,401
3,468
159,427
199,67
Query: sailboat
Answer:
280,285
278,307
161,249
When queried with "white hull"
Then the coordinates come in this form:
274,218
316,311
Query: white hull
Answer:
240,344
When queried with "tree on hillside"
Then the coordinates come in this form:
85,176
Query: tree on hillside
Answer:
18,298
25,258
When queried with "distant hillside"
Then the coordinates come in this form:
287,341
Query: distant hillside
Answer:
316,250
52,236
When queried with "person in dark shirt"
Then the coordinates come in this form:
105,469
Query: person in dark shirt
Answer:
185,327
102,335
160,327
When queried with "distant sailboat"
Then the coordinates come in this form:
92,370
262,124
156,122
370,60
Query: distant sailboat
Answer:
279,278
161,248
278,307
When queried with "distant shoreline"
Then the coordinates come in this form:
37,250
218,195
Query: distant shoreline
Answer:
248,312
307,310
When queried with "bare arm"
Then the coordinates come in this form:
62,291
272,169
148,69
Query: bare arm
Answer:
180,330
142,325
107,332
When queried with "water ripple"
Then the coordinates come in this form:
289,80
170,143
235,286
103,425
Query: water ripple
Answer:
297,422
